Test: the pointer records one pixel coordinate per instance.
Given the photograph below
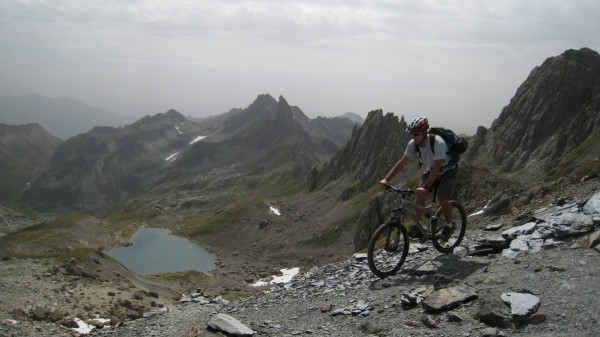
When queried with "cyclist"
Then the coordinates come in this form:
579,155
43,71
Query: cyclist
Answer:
437,171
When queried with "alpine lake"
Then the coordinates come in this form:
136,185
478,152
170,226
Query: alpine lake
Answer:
155,251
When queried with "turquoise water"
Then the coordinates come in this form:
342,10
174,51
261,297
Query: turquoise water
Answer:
155,251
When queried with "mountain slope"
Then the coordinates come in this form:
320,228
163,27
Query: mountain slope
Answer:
371,151
98,170
24,149
316,227
262,137
555,109
160,155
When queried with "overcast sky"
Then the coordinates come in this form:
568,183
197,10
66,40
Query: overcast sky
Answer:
458,62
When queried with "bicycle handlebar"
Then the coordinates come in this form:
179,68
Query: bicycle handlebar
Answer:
403,191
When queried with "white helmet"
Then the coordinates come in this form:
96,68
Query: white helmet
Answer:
418,124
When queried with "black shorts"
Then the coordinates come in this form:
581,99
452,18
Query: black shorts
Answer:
445,182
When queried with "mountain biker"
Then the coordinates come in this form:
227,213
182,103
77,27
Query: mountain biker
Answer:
436,171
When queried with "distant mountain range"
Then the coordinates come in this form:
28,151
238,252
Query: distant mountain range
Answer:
549,130
65,117
62,117
98,170
353,117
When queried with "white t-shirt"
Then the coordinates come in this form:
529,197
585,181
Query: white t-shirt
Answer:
427,156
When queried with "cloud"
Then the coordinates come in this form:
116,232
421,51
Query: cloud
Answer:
328,57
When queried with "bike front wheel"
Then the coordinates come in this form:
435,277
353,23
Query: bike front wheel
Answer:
446,242
388,249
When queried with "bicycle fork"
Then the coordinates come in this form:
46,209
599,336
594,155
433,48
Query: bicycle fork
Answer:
397,237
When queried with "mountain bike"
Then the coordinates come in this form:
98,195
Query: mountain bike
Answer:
388,247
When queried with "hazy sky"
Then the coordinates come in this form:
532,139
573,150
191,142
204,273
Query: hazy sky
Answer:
458,62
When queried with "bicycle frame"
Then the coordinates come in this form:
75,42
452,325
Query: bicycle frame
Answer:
389,243
400,212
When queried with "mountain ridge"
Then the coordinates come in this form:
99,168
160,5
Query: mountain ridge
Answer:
52,113
327,224
560,100
103,167
118,164
24,149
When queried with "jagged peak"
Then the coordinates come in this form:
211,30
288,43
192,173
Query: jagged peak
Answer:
170,115
375,115
283,114
553,111
378,113
173,112
282,100
356,118
263,100
585,51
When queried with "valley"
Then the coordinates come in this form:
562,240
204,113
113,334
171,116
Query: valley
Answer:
68,202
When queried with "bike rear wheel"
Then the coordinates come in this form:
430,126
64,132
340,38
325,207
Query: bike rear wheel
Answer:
388,249
459,217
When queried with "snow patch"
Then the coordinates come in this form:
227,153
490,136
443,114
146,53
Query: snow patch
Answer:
480,211
85,328
287,276
274,210
172,157
197,139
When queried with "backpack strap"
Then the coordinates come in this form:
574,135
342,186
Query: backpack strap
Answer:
431,144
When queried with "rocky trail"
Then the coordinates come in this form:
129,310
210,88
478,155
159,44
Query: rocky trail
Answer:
538,276
543,291
346,300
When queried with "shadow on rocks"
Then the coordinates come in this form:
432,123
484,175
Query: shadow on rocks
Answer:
429,272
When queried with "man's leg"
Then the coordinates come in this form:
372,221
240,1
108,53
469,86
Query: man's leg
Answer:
444,191
446,185
420,194
446,208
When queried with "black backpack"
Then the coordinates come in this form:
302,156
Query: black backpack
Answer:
456,144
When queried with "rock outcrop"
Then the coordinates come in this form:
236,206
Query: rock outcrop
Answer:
370,152
555,110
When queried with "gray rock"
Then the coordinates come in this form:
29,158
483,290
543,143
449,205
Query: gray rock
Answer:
493,227
592,206
514,232
449,298
510,254
568,218
551,243
594,239
519,245
229,325
492,312
521,305
360,256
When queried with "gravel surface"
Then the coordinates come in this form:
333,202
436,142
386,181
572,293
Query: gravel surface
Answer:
564,279
336,299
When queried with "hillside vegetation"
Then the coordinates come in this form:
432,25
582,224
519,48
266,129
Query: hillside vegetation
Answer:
217,181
